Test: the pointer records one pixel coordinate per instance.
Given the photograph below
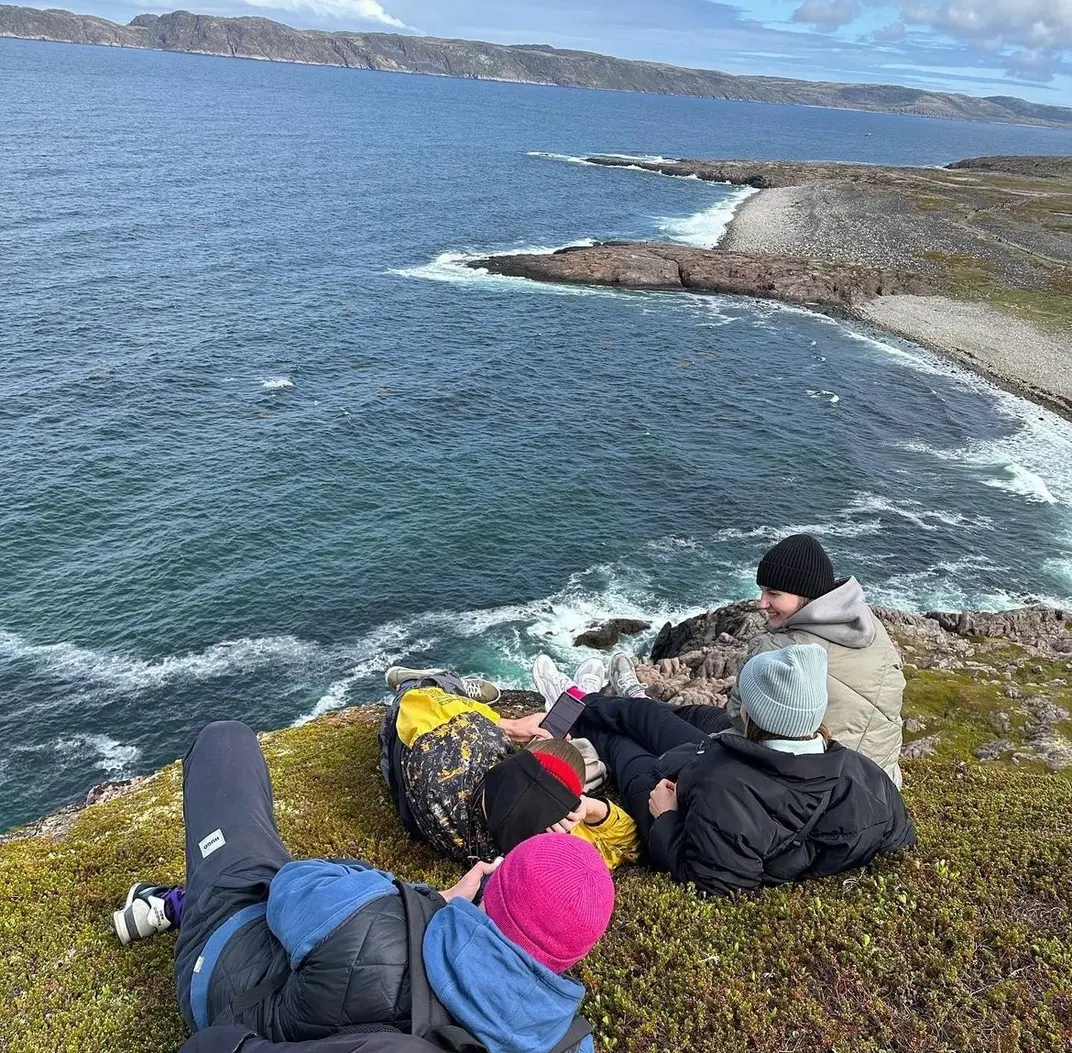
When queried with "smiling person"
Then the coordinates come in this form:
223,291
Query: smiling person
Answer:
805,604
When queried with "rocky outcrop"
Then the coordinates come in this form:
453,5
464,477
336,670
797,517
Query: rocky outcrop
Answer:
654,266
606,634
762,175
1038,167
527,63
697,662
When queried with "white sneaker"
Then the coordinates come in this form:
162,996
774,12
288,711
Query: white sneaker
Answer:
549,681
590,676
143,913
623,679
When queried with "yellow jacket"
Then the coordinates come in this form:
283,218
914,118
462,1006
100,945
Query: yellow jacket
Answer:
424,709
616,837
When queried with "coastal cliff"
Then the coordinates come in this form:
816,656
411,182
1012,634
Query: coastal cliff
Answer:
959,944
261,38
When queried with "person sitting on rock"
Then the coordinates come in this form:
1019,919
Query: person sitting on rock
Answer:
804,604
296,951
779,802
460,782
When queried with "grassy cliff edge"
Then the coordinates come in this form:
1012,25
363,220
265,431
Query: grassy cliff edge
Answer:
960,944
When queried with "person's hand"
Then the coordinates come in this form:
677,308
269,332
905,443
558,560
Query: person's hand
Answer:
524,729
564,826
595,811
663,798
469,885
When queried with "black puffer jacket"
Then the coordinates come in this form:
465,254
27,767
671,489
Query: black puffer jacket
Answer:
742,807
242,1040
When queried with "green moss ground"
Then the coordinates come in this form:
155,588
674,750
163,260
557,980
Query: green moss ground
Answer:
962,944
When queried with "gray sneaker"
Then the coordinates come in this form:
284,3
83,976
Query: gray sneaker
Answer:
590,676
549,681
481,690
623,678
398,674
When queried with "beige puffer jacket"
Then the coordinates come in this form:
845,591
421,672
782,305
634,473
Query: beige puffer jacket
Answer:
865,682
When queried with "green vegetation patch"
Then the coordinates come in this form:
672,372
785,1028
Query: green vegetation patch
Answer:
959,944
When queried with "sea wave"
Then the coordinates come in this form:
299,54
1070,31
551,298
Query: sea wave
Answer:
453,267
706,228
109,755
127,673
277,383
918,514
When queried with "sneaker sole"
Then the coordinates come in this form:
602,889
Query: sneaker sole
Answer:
126,927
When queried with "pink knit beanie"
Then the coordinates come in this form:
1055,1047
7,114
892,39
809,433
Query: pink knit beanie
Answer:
553,896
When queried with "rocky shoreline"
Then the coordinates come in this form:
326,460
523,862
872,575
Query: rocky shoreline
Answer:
972,261
669,268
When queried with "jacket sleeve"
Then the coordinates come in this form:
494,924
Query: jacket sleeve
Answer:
763,642
616,837
693,848
242,1040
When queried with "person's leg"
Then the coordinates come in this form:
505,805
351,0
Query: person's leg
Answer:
233,848
630,734
655,727
709,719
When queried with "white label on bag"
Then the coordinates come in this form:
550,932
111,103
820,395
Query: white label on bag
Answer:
209,844
197,965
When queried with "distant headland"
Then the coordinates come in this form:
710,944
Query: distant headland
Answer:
261,38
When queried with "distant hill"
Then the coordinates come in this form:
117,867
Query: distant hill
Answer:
261,38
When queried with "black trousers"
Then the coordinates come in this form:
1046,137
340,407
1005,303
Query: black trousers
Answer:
631,734
233,848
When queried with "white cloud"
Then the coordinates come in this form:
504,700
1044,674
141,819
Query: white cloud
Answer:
827,15
1031,37
362,10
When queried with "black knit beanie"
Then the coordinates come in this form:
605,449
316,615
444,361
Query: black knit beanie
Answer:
797,564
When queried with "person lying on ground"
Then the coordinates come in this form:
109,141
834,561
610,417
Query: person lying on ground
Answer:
462,784
300,950
231,1039
728,810
805,604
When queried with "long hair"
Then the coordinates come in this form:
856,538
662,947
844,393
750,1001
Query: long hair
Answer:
754,733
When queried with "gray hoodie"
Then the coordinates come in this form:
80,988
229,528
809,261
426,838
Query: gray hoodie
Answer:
864,682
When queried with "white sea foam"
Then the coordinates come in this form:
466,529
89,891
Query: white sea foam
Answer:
832,397
128,673
277,383
453,267
843,527
705,229
111,756
924,518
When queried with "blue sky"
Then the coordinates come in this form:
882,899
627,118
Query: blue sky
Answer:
980,47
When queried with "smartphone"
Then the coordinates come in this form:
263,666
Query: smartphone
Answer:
564,713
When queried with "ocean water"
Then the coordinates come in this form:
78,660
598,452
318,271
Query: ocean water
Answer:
265,434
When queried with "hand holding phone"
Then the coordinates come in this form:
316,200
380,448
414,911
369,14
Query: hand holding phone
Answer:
564,713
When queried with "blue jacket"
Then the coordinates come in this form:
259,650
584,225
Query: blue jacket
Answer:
343,929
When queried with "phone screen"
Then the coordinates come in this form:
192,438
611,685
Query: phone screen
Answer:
562,716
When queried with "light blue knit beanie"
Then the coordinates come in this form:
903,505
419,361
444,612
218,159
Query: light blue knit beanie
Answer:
784,691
